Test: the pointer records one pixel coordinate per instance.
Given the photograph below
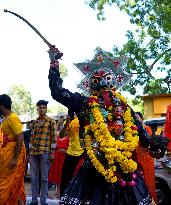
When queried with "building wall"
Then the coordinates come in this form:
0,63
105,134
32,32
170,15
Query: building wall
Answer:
148,109
156,105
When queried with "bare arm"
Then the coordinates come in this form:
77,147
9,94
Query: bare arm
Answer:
17,151
19,145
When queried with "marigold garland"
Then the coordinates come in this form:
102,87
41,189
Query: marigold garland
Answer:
115,151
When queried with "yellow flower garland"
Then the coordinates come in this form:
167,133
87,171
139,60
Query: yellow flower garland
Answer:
114,150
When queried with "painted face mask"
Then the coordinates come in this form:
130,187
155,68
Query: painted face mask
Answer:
101,79
103,71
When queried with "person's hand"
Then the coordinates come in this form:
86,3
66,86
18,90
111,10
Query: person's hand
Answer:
54,53
13,163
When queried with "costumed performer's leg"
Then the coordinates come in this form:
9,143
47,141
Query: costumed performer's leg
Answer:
68,169
90,187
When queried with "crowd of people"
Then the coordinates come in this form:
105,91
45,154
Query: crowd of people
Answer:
102,154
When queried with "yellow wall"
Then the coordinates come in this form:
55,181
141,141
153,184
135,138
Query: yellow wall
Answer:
156,105
148,108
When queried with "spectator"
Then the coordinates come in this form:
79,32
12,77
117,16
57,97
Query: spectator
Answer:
27,135
74,153
12,156
60,123
42,143
60,154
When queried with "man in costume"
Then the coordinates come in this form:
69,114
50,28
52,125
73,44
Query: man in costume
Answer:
110,132
12,156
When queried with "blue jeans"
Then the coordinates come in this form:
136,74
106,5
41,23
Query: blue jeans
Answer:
39,164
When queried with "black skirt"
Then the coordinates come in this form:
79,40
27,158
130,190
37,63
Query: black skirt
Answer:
90,188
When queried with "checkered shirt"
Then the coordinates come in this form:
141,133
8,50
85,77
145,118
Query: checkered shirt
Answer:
43,137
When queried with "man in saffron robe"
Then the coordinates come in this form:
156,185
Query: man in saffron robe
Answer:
146,161
12,156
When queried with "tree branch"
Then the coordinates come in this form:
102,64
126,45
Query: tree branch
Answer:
137,73
160,56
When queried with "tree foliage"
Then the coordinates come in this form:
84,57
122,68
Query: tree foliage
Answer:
63,71
57,108
136,104
22,102
22,98
148,48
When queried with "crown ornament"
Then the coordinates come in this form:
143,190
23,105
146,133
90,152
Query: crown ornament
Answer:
103,62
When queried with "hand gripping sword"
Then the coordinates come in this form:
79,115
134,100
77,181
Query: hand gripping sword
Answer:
54,53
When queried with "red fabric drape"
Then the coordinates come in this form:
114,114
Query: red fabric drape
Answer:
167,126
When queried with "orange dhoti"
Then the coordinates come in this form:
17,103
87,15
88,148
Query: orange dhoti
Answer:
11,180
148,169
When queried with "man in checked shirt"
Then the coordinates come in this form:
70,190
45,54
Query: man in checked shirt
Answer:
42,144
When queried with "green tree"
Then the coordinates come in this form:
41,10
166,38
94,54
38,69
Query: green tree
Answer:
148,48
136,104
57,108
63,71
22,102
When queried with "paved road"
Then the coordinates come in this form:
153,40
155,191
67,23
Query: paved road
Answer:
49,201
51,193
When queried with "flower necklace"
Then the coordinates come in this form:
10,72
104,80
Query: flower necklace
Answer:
100,142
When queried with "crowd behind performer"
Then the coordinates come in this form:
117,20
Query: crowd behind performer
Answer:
146,161
167,129
74,153
60,123
12,156
27,136
60,154
42,144
108,175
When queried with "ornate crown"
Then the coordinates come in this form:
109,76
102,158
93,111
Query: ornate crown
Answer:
103,61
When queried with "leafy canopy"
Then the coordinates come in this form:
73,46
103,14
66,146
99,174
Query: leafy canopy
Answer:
22,102
63,71
148,48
